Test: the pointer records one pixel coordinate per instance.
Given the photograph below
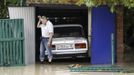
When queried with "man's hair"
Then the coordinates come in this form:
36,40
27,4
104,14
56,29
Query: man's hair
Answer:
44,17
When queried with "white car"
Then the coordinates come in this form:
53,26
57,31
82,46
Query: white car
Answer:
69,41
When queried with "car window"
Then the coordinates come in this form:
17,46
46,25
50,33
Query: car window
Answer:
72,31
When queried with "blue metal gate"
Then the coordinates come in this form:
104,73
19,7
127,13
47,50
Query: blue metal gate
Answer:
103,31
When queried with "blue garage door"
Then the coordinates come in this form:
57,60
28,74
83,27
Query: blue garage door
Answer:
103,28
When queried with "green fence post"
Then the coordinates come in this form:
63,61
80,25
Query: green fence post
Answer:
22,43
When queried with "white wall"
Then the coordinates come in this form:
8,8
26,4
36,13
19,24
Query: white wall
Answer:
28,14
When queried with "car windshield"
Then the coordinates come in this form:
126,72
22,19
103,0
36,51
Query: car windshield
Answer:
73,31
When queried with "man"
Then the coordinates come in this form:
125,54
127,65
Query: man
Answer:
46,39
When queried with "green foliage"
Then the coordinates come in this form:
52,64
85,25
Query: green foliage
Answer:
52,1
3,10
128,3
4,5
89,3
111,3
92,3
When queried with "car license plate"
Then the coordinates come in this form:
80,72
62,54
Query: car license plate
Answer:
64,46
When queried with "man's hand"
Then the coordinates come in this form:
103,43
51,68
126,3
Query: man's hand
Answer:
49,44
39,17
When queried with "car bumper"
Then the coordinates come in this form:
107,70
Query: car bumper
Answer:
62,52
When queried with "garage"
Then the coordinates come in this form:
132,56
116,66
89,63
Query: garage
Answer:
58,14
61,14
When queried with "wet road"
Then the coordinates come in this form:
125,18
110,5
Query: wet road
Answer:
58,67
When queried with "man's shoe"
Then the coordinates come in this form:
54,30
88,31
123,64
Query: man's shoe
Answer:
49,60
42,61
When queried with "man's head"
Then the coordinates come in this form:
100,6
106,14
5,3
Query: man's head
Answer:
43,19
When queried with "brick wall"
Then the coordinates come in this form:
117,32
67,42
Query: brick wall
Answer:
120,45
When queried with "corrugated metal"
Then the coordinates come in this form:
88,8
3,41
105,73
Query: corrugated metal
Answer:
28,14
11,42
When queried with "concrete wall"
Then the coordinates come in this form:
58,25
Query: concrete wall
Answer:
89,30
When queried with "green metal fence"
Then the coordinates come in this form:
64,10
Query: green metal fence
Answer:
11,42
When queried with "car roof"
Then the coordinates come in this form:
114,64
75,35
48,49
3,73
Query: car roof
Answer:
68,25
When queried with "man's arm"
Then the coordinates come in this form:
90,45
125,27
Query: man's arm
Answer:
50,39
38,24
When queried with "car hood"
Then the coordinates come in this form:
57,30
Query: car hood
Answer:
69,40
